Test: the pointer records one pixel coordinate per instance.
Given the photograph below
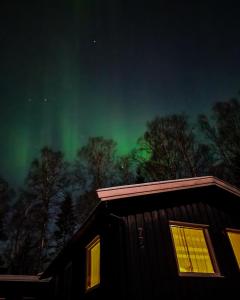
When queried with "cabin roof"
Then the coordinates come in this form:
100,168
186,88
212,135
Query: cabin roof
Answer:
22,278
127,191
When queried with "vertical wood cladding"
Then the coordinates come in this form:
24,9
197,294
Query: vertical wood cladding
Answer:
151,264
137,254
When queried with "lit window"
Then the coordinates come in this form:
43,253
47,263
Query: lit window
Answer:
192,246
234,237
93,263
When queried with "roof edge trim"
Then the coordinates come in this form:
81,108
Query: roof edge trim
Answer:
126,191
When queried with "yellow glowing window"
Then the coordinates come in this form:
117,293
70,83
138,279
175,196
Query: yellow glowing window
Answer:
192,250
234,237
93,263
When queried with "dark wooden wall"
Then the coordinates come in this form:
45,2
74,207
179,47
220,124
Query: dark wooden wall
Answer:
145,261
137,254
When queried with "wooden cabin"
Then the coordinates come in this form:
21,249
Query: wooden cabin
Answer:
177,239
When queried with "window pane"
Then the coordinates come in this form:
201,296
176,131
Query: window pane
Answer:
191,250
93,263
235,242
95,269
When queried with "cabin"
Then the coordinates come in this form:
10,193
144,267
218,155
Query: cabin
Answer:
177,239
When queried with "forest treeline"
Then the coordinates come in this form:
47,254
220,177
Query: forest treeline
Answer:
38,220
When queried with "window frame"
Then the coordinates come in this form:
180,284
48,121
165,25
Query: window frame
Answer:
211,252
88,248
233,251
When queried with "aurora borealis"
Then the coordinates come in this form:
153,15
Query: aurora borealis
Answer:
73,69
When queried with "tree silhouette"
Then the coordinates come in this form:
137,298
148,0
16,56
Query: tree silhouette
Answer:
95,168
96,163
46,182
171,150
222,131
6,197
23,229
126,169
65,222
6,194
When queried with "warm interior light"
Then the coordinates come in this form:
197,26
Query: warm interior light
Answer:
93,263
191,250
235,242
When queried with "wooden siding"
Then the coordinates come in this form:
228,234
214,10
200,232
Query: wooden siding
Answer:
137,254
150,264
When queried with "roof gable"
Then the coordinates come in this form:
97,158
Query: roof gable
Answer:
127,191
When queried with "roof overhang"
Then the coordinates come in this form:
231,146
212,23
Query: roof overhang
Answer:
127,191
19,278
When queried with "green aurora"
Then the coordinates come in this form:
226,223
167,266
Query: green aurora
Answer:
65,125
104,68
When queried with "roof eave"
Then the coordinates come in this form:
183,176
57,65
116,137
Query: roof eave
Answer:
134,190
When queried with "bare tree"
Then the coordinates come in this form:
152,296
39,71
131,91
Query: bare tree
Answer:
46,182
95,168
23,229
65,222
6,194
222,130
169,150
126,166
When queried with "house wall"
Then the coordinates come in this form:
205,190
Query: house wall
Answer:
69,280
137,254
144,264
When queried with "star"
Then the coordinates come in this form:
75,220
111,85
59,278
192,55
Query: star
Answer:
45,100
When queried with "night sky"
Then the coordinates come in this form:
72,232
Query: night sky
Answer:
78,68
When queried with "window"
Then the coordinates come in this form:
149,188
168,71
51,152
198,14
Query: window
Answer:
192,247
93,263
234,237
